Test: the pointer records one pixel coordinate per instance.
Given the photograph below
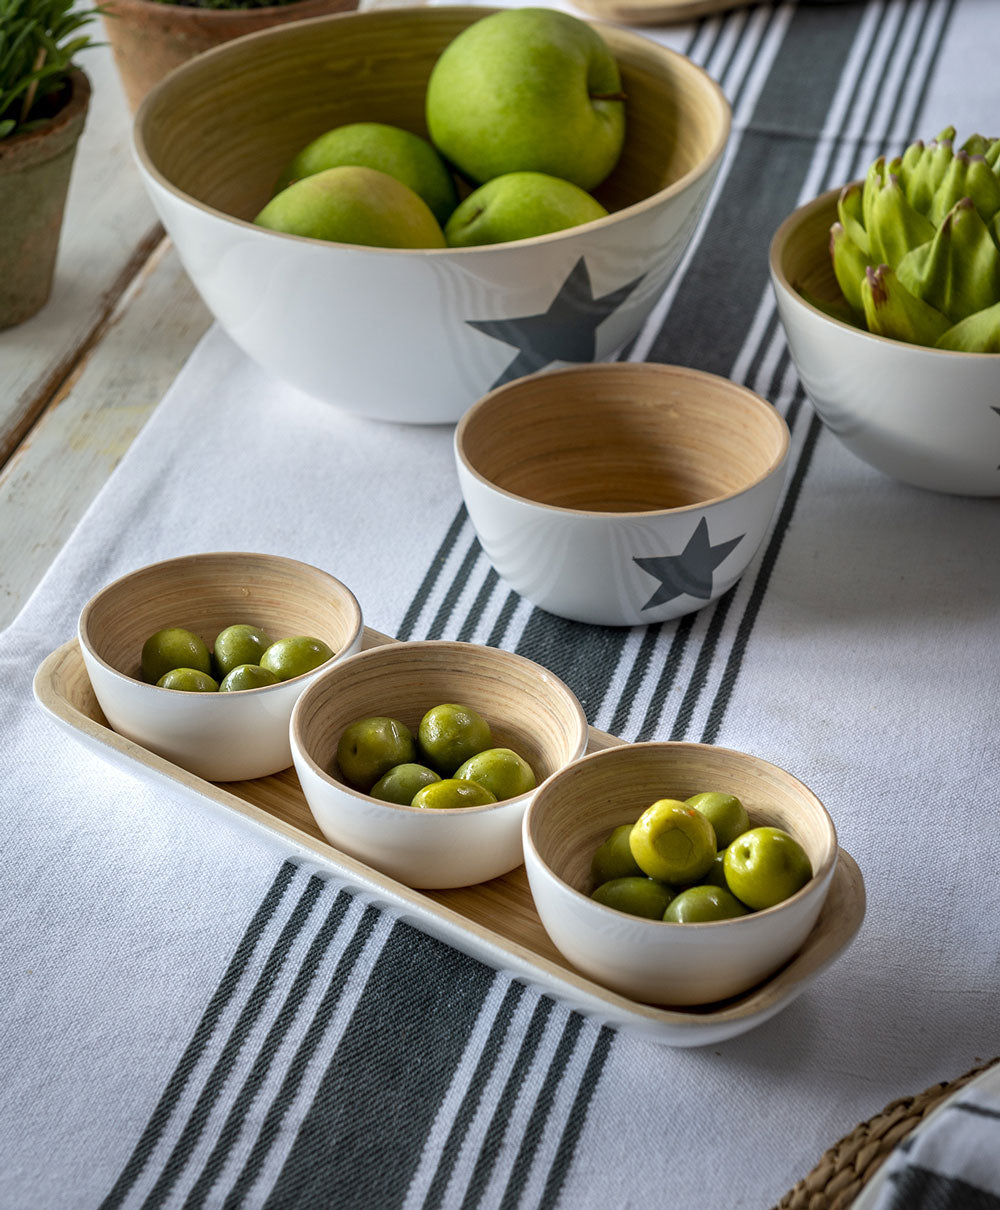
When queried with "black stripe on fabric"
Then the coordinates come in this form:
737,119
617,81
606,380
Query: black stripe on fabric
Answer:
738,649
921,1189
454,591
667,677
540,1114
255,1078
431,577
378,1097
577,1116
817,43
489,583
200,1038
636,676
220,1073
500,1121
473,1096
585,657
496,635
303,1057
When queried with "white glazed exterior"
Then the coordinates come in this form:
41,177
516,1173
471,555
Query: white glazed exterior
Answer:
432,849
220,737
672,964
415,360
927,417
581,565
384,333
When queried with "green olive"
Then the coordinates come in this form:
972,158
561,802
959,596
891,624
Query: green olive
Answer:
294,656
172,648
449,734
699,904
724,812
191,680
246,676
716,875
452,792
613,859
673,842
766,866
500,770
402,782
370,747
637,896
240,644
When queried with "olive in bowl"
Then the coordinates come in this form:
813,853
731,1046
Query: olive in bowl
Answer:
218,736
528,709
653,960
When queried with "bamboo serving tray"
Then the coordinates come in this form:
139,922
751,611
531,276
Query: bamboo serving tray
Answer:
494,921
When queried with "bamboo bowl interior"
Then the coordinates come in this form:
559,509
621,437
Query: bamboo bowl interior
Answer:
527,708
800,251
206,593
575,812
622,437
221,128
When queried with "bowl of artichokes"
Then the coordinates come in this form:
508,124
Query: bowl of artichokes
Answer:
889,293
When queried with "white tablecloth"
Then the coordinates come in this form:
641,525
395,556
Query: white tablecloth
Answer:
195,1014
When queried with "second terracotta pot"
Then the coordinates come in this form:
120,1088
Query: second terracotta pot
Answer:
150,38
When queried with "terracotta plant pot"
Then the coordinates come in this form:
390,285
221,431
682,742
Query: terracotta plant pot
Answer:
34,180
150,38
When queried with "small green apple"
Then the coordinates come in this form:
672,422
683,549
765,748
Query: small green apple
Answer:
673,842
765,866
528,90
391,150
519,205
353,205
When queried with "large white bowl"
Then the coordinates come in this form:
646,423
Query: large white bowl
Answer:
390,333
649,960
929,417
528,709
217,736
621,494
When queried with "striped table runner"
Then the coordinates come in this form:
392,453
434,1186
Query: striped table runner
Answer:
197,1015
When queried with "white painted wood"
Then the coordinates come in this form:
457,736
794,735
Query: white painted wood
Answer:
108,219
81,437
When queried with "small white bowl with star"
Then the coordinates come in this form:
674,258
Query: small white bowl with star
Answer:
623,493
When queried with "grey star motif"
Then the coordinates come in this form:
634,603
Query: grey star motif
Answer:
690,572
567,331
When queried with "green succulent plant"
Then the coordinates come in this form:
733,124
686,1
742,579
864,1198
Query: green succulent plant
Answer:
916,248
38,39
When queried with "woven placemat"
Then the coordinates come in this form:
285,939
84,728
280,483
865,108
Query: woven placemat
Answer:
848,1165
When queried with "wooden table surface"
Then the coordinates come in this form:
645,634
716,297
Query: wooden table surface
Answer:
79,380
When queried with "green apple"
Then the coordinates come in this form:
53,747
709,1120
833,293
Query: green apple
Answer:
353,205
369,747
391,150
765,866
528,90
673,842
519,205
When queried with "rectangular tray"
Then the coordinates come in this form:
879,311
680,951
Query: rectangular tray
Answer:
495,921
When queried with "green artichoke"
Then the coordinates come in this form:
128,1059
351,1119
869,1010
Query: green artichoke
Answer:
916,248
